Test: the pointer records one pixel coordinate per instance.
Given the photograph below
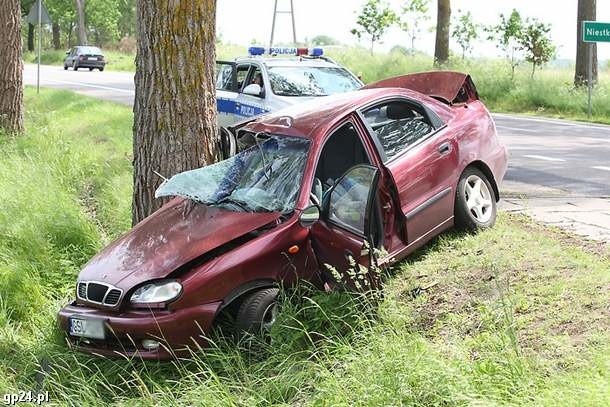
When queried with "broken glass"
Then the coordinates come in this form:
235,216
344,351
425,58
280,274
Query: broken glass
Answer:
264,177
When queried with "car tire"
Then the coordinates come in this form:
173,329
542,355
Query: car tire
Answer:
90,69
65,68
101,69
475,201
257,313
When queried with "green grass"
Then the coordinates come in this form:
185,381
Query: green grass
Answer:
115,60
518,315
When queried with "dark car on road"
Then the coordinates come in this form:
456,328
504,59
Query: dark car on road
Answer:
329,182
85,57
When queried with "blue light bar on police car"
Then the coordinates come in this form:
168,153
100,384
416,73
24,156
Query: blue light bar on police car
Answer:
254,51
314,52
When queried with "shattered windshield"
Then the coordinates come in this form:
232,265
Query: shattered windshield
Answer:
264,177
311,81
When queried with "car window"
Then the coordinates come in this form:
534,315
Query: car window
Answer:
257,77
224,77
349,198
398,126
90,51
310,80
242,74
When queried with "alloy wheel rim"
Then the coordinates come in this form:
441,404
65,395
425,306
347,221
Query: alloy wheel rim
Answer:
478,199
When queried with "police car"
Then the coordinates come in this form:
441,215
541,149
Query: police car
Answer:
274,78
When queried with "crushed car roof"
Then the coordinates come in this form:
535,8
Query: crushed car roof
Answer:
312,119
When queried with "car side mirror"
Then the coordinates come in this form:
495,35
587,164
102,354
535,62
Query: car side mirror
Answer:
253,89
309,216
67,52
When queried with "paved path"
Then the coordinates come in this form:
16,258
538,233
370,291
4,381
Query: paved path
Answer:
559,171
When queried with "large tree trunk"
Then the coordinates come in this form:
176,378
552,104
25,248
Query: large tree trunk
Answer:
441,49
586,11
11,68
175,103
56,37
81,28
31,37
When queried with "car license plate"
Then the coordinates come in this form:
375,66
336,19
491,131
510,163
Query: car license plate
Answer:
92,59
87,328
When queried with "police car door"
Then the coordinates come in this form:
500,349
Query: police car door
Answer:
251,100
226,92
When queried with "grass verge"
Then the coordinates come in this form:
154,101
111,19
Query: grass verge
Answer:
517,315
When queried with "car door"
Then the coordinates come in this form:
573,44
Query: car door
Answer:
248,105
421,155
347,183
342,238
226,92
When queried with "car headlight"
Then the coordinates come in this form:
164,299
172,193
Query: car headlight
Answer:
158,292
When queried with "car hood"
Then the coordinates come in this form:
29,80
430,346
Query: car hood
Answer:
176,234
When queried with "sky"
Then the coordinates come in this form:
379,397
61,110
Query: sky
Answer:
241,22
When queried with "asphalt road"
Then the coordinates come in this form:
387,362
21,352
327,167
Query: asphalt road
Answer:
569,157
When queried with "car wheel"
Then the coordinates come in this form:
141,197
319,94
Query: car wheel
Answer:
101,69
90,69
475,201
257,313
65,68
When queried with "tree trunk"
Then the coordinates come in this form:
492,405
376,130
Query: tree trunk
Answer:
81,28
175,102
586,12
441,49
11,68
31,37
56,37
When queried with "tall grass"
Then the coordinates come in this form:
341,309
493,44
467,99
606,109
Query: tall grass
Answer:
504,325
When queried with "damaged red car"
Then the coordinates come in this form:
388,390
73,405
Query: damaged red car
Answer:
388,167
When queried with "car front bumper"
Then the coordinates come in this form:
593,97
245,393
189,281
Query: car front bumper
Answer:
180,331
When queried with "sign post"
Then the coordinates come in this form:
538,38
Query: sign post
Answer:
37,16
592,32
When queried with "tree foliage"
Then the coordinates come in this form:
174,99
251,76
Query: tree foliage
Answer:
536,43
323,40
465,31
374,20
507,33
413,14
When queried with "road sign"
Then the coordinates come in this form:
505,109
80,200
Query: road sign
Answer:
38,10
595,31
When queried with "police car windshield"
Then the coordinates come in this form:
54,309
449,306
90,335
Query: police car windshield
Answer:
265,177
311,80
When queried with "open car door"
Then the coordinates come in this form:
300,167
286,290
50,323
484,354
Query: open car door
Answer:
342,238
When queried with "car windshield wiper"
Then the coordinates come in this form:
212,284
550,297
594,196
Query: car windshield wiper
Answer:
239,203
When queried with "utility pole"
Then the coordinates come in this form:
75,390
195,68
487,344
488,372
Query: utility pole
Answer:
275,13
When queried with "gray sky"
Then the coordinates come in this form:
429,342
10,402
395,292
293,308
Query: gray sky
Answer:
240,22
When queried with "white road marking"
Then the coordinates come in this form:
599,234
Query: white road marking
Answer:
515,129
132,92
88,85
553,121
601,167
543,157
